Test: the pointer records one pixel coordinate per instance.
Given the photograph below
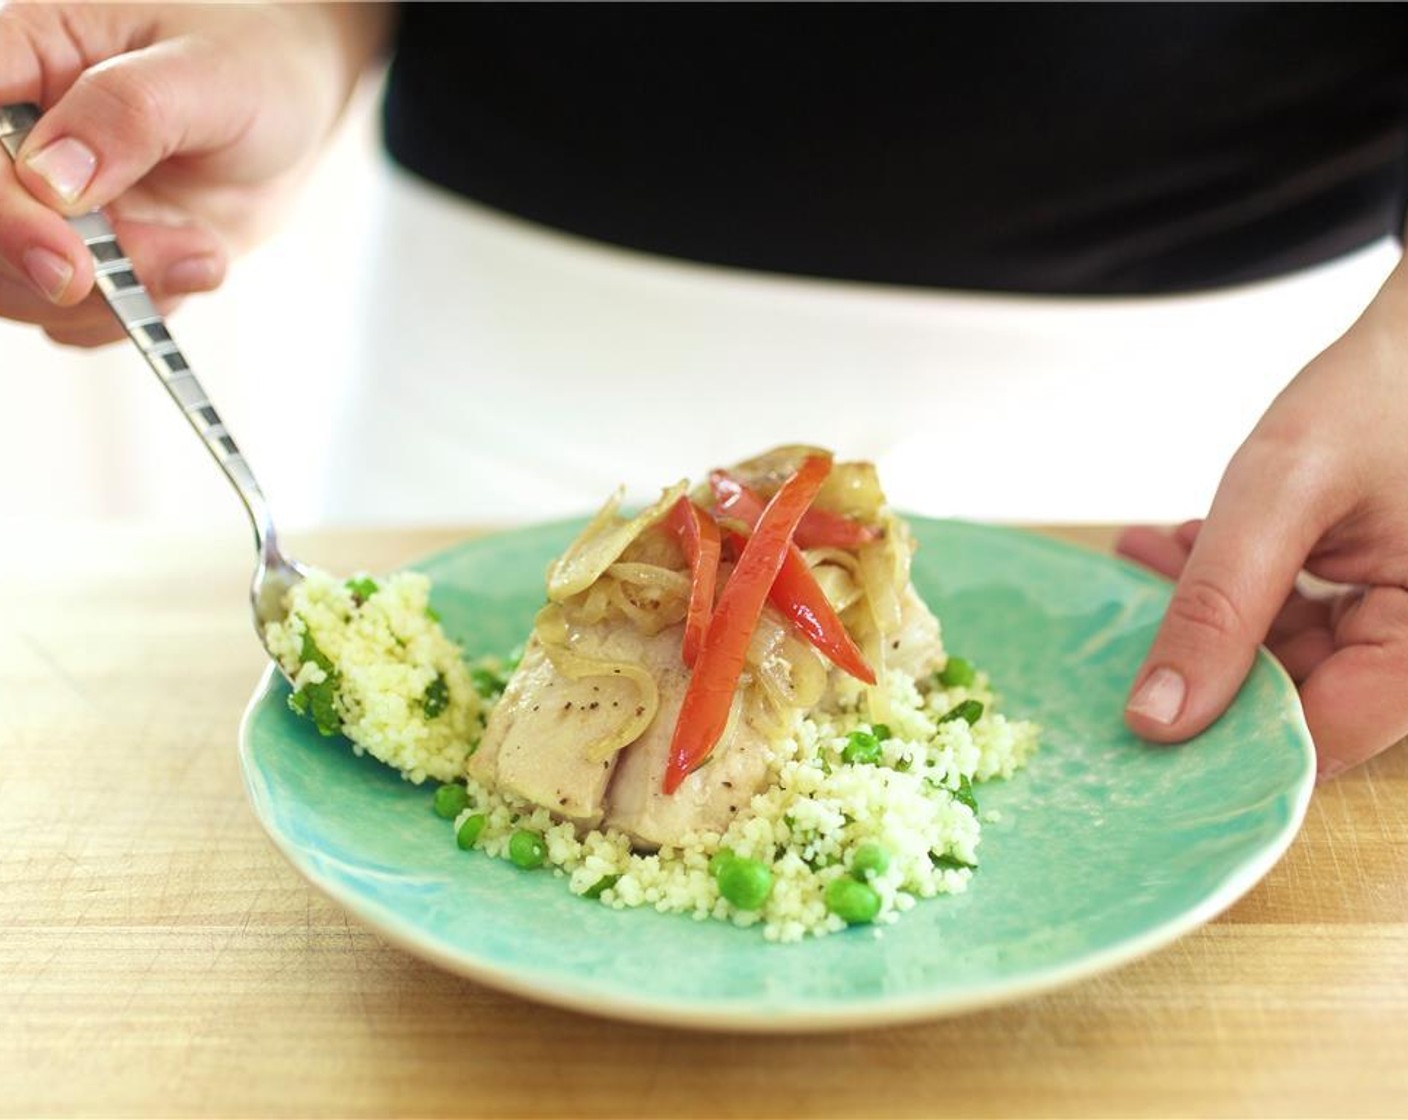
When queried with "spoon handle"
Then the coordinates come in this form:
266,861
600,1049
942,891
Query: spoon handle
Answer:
129,301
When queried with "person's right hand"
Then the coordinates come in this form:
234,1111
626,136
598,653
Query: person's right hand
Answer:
188,124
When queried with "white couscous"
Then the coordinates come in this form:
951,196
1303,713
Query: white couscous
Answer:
850,805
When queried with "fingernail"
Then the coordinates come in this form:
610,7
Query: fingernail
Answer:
67,165
1330,768
48,272
1160,697
192,274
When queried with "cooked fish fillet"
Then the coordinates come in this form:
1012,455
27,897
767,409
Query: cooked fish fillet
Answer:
707,799
536,743
916,647
533,744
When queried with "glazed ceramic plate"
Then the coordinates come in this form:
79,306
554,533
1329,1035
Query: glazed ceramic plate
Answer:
1105,849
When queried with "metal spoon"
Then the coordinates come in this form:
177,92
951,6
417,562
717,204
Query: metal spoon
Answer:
275,573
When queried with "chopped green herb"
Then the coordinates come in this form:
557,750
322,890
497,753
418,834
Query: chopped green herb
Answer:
947,862
881,731
362,589
862,748
318,701
958,672
969,711
601,886
964,793
311,652
487,682
436,698
431,613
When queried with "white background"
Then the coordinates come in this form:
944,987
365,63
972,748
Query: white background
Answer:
1052,410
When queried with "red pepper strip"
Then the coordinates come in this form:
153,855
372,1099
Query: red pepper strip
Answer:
699,537
704,710
796,593
818,528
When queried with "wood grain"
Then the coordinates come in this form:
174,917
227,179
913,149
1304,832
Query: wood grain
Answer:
159,958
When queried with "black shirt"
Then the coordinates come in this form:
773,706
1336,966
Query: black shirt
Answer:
1040,148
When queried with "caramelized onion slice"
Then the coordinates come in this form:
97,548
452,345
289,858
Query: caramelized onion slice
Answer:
550,628
651,597
785,666
852,489
838,584
882,571
877,696
662,583
601,543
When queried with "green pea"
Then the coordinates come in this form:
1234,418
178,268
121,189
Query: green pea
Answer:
958,672
451,800
969,711
862,748
852,901
468,834
527,849
719,859
745,882
869,860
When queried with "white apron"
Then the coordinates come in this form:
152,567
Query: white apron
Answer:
507,373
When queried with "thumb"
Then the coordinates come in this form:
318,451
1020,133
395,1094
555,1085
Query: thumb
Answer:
113,125
1241,570
124,116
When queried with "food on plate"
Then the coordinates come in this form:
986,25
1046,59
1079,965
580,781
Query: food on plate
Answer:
732,703
735,704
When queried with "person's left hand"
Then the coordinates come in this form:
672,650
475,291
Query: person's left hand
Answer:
1321,485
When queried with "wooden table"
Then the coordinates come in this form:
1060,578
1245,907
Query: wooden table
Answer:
158,956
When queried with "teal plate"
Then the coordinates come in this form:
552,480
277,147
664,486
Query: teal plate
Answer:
1105,848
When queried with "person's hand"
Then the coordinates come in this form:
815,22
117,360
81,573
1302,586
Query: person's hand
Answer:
1321,485
189,124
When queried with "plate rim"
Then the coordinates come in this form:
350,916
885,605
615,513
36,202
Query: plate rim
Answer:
744,1016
